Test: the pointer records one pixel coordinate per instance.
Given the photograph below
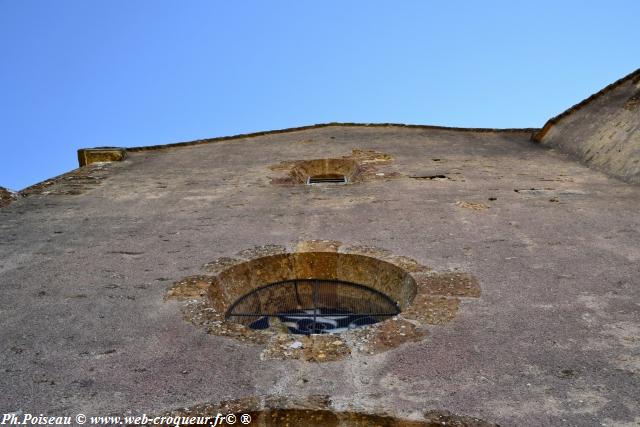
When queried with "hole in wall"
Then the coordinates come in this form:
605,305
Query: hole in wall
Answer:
438,177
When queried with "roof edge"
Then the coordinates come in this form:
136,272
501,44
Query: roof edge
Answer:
537,137
7,196
321,125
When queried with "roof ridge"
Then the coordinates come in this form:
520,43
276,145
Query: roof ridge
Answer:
321,125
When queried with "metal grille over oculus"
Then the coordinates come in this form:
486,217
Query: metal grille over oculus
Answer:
312,306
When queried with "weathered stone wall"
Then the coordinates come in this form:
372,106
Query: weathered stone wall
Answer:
603,131
92,321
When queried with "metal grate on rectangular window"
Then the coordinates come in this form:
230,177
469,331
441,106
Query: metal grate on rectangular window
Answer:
326,179
309,306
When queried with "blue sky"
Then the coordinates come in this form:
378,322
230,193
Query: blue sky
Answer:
127,73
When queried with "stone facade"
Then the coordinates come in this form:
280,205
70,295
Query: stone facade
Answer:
515,267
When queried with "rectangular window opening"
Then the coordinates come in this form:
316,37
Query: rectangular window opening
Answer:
326,179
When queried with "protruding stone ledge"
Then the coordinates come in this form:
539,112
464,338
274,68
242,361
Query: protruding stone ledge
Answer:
86,156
